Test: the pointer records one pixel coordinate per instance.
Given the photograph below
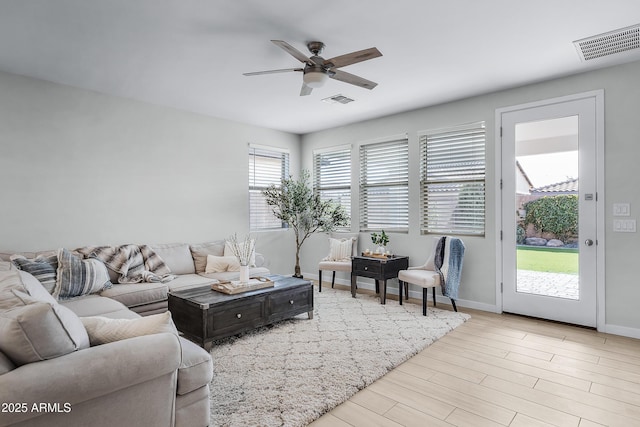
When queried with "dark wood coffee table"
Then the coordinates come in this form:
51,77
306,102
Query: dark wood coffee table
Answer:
204,315
380,269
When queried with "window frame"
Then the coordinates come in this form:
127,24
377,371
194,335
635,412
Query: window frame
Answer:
466,169
389,159
341,176
266,221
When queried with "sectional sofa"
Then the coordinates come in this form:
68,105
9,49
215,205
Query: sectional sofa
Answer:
159,379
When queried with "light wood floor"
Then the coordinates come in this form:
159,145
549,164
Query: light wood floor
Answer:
505,370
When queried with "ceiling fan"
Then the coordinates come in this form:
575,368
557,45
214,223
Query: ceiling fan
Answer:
317,70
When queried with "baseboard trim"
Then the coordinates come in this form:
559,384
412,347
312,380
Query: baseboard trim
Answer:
624,331
393,290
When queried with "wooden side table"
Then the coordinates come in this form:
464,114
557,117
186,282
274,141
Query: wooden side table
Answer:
379,269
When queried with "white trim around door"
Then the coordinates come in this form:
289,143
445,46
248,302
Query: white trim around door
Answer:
598,97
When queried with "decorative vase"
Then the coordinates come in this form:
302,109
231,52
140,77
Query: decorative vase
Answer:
381,249
244,274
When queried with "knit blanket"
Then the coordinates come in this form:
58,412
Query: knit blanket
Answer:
448,263
133,263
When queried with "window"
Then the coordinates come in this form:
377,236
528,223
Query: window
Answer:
266,166
332,176
384,186
452,180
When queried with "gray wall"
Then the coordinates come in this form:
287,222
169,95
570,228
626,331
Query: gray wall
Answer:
478,289
82,168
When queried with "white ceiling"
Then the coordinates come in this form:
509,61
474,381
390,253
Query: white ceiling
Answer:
190,54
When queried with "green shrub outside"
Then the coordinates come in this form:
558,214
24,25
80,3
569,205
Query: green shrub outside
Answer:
554,214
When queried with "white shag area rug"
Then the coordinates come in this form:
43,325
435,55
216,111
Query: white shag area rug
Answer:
291,373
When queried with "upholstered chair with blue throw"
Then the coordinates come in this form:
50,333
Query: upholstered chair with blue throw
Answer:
442,269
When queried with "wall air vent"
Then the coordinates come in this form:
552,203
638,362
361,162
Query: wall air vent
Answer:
613,42
338,99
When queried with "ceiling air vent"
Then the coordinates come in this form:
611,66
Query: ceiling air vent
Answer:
622,40
338,99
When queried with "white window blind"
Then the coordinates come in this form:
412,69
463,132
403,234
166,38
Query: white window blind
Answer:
452,181
384,186
266,167
332,177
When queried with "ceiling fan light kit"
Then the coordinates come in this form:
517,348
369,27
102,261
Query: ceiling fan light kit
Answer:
317,69
315,79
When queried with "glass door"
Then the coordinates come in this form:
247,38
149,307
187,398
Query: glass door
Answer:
549,212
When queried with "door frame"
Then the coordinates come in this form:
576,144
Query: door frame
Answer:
598,95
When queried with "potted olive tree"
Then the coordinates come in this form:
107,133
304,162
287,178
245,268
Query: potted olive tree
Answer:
295,203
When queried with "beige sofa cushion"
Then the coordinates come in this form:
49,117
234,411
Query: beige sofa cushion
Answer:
39,331
200,251
6,365
177,256
136,294
196,368
103,330
95,305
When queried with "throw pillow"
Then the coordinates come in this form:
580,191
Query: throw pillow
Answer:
220,264
77,277
339,249
35,289
229,252
104,330
42,268
39,331
200,251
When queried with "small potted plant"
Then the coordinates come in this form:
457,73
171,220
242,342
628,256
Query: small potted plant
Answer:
380,240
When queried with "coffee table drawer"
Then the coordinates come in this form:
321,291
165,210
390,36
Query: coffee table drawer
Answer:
297,300
236,316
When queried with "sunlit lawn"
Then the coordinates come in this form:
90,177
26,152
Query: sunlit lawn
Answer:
550,260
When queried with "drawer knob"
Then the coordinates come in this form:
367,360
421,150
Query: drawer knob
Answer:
366,268
239,315
291,301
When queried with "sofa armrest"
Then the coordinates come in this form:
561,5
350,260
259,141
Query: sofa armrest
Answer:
90,373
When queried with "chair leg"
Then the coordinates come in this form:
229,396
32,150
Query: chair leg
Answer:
434,296
453,303
406,290
424,301
319,280
333,279
400,291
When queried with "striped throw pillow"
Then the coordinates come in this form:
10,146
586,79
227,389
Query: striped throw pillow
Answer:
42,268
77,277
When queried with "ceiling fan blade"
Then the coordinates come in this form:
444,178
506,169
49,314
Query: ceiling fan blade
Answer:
352,79
353,58
305,90
291,50
284,70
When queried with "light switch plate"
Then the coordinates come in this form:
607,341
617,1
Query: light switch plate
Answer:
621,209
624,225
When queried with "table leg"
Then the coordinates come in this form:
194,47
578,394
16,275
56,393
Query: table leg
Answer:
310,314
383,292
353,285
207,345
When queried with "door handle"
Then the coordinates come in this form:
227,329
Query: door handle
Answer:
588,242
